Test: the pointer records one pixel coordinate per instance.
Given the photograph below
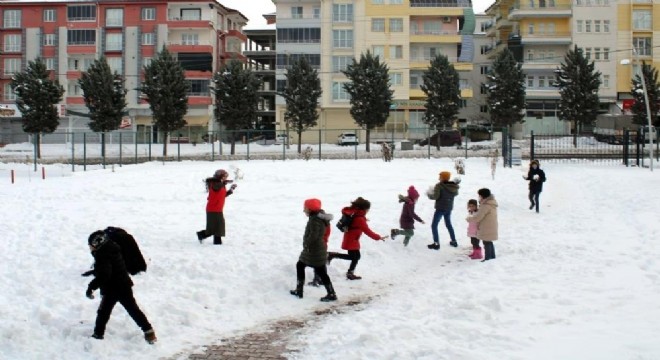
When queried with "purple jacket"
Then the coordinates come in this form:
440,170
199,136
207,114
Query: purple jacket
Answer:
408,216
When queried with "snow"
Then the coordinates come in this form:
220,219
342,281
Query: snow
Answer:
579,280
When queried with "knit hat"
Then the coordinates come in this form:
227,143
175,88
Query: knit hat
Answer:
219,174
412,193
445,176
97,238
313,205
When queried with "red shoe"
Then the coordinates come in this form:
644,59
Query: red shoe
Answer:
476,255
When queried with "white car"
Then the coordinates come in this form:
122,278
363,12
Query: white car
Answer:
347,138
282,139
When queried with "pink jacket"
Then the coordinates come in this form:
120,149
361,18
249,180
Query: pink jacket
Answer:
472,228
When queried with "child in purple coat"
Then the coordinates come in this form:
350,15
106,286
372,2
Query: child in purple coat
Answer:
408,216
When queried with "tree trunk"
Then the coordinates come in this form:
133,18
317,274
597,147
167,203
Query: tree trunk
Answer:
368,140
103,144
232,149
575,135
37,139
165,140
299,142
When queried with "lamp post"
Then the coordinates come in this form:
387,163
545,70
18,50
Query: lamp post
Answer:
648,107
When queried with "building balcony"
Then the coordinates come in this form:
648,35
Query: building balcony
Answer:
198,74
237,34
426,4
423,62
189,46
560,38
542,93
199,99
542,64
467,93
521,11
75,100
439,37
260,53
503,23
177,22
417,93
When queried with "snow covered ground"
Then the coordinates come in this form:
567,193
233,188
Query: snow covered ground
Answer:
580,280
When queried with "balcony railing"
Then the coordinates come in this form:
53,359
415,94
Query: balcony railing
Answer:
541,7
434,32
440,3
189,43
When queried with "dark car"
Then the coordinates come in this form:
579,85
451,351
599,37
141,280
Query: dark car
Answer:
476,133
447,138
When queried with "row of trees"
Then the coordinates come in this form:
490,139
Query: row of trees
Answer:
235,88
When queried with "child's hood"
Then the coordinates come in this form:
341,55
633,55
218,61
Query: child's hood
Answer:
324,216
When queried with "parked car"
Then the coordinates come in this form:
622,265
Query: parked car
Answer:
446,138
476,132
282,139
347,138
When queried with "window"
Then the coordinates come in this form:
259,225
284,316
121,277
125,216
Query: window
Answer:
597,26
396,51
148,14
541,81
113,41
12,43
299,35
606,54
483,108
587,53
642,46
189,39
9,93
296,12
377,1
338,92
551,28
12,19
606,81
396,25
378,25
146,61
541,28
342,12
80,64
596,53
396,79
642,19
316,12
587,26
198,88
148,39
396,2
191,14
378,50
115,64
50,63
81,37
342,38
483,89
50,15
340,63
81,13
530,81
606,26
484,70
531,29
12,66
114,17
74,89
530,54
49,40
484,49
579,26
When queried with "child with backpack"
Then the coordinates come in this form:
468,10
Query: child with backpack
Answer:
215,220
472,230
357,212
314,253
408,216
111,275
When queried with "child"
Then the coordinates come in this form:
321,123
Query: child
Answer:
408,216
472,231
358,210
111,276
317,279
314,252
443,193
486,220
215,220
536,178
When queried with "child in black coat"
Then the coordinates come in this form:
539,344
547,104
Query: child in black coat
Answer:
536,178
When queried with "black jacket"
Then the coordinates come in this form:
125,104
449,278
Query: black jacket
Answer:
110,271
535,185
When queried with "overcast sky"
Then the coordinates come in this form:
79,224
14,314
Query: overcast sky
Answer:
254,9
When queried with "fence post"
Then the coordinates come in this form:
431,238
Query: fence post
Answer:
104,148
531,146
248,144
178,149
626,142
466,141
320,143
36,150
136,146
510,145
150,135
120,149
428,143
73,152
84,151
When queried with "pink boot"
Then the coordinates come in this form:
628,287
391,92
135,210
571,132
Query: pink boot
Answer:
476,255
472,253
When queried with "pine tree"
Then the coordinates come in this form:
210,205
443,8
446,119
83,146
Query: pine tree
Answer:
369,89
443,95
36,98
105,97
166,90
578,84
236,98
650,74
506,90
302,93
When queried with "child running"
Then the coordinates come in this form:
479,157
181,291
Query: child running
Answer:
408,216
215,203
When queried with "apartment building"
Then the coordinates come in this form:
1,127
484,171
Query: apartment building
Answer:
69,35
261,53
405,34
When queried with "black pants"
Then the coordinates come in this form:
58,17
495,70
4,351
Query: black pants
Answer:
321,271
126,299
353,256
475,243
534,199
489,248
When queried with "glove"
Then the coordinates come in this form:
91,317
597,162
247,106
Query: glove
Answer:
89,293
88,273
233,187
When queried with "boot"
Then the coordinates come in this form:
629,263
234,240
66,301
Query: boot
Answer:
316,282
201,235
331,293
298,291
150,336
472,253
217,240
453,243
434,246
97,336
351,276
393,233
476,255
532,206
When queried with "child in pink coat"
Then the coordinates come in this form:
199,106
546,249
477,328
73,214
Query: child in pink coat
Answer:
472,229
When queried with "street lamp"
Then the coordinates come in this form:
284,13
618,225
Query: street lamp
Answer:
648,107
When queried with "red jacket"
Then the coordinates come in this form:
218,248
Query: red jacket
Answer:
216,199
358,226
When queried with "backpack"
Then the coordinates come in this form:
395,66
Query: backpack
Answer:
130,251
345,222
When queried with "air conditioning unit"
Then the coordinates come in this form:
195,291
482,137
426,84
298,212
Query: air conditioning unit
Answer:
446,19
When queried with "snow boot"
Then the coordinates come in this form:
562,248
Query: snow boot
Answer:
150,336
476,254
97,336
532,206
217,240
351,276
331,294
434,246
316,282
201,235
393,233
298,291
453,243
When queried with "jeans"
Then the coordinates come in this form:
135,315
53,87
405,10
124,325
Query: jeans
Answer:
534,199
408,233
436,220
489,249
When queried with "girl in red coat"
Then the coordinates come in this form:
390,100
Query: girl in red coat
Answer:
215,220
358,211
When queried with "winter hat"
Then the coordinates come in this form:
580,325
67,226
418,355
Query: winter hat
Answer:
97,239
313,205
219,174
484,193
412,193
534,162
445,176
